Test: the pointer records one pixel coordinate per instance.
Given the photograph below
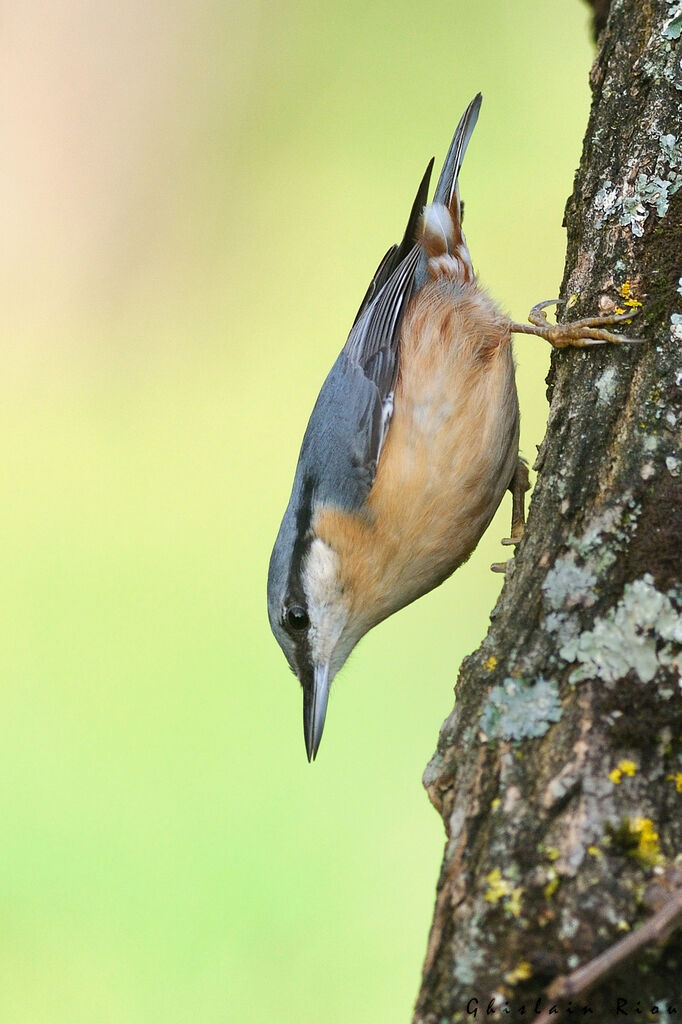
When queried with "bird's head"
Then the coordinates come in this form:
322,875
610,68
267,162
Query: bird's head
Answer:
312,618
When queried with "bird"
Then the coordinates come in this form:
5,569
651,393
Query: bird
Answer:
411,445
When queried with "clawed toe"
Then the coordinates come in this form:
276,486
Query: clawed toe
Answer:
537,314
578,334
518,488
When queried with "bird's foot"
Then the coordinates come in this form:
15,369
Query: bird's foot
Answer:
579,333
518,486
518,531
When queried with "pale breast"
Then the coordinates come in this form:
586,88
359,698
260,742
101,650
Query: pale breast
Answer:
449,455
453,440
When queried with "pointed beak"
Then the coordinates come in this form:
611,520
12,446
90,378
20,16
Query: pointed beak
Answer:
315,697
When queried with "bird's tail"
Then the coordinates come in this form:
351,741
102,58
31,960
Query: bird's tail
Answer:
441,224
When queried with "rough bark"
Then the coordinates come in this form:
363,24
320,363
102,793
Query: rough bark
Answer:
559,772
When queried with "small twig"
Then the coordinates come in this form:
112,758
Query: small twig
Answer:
656,929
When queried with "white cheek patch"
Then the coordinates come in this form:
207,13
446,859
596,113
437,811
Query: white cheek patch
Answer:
327,609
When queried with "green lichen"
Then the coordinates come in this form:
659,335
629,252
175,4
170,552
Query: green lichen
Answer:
518,710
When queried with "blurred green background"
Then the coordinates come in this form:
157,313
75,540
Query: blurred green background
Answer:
195,196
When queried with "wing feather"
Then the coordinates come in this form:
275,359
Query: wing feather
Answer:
373,343
398,252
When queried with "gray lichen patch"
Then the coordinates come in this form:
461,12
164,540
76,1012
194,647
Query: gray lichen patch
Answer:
642,633
607,201
572,580
606,384
676,327
651,191
568,584
565,626
673,26
634,203
622,638
518,710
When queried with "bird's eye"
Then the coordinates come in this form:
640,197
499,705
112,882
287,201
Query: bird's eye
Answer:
297,618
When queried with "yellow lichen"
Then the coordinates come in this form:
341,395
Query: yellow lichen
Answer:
522,972
513,903
647,850
490,663
494,804
552,853
626,293
625,767
623,926
594,851
677,779
500,888
551,887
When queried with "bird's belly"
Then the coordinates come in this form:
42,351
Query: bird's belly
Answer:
449,456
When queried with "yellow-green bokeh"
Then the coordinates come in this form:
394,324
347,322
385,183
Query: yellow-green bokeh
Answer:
196,196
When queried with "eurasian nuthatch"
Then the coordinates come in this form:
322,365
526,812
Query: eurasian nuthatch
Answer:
410,447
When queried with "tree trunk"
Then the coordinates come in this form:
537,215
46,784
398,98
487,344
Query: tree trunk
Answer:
559,772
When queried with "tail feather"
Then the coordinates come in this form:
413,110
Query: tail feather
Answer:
446,189
436,226
443,244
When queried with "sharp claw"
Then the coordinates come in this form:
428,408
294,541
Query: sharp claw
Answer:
582,333
618,318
